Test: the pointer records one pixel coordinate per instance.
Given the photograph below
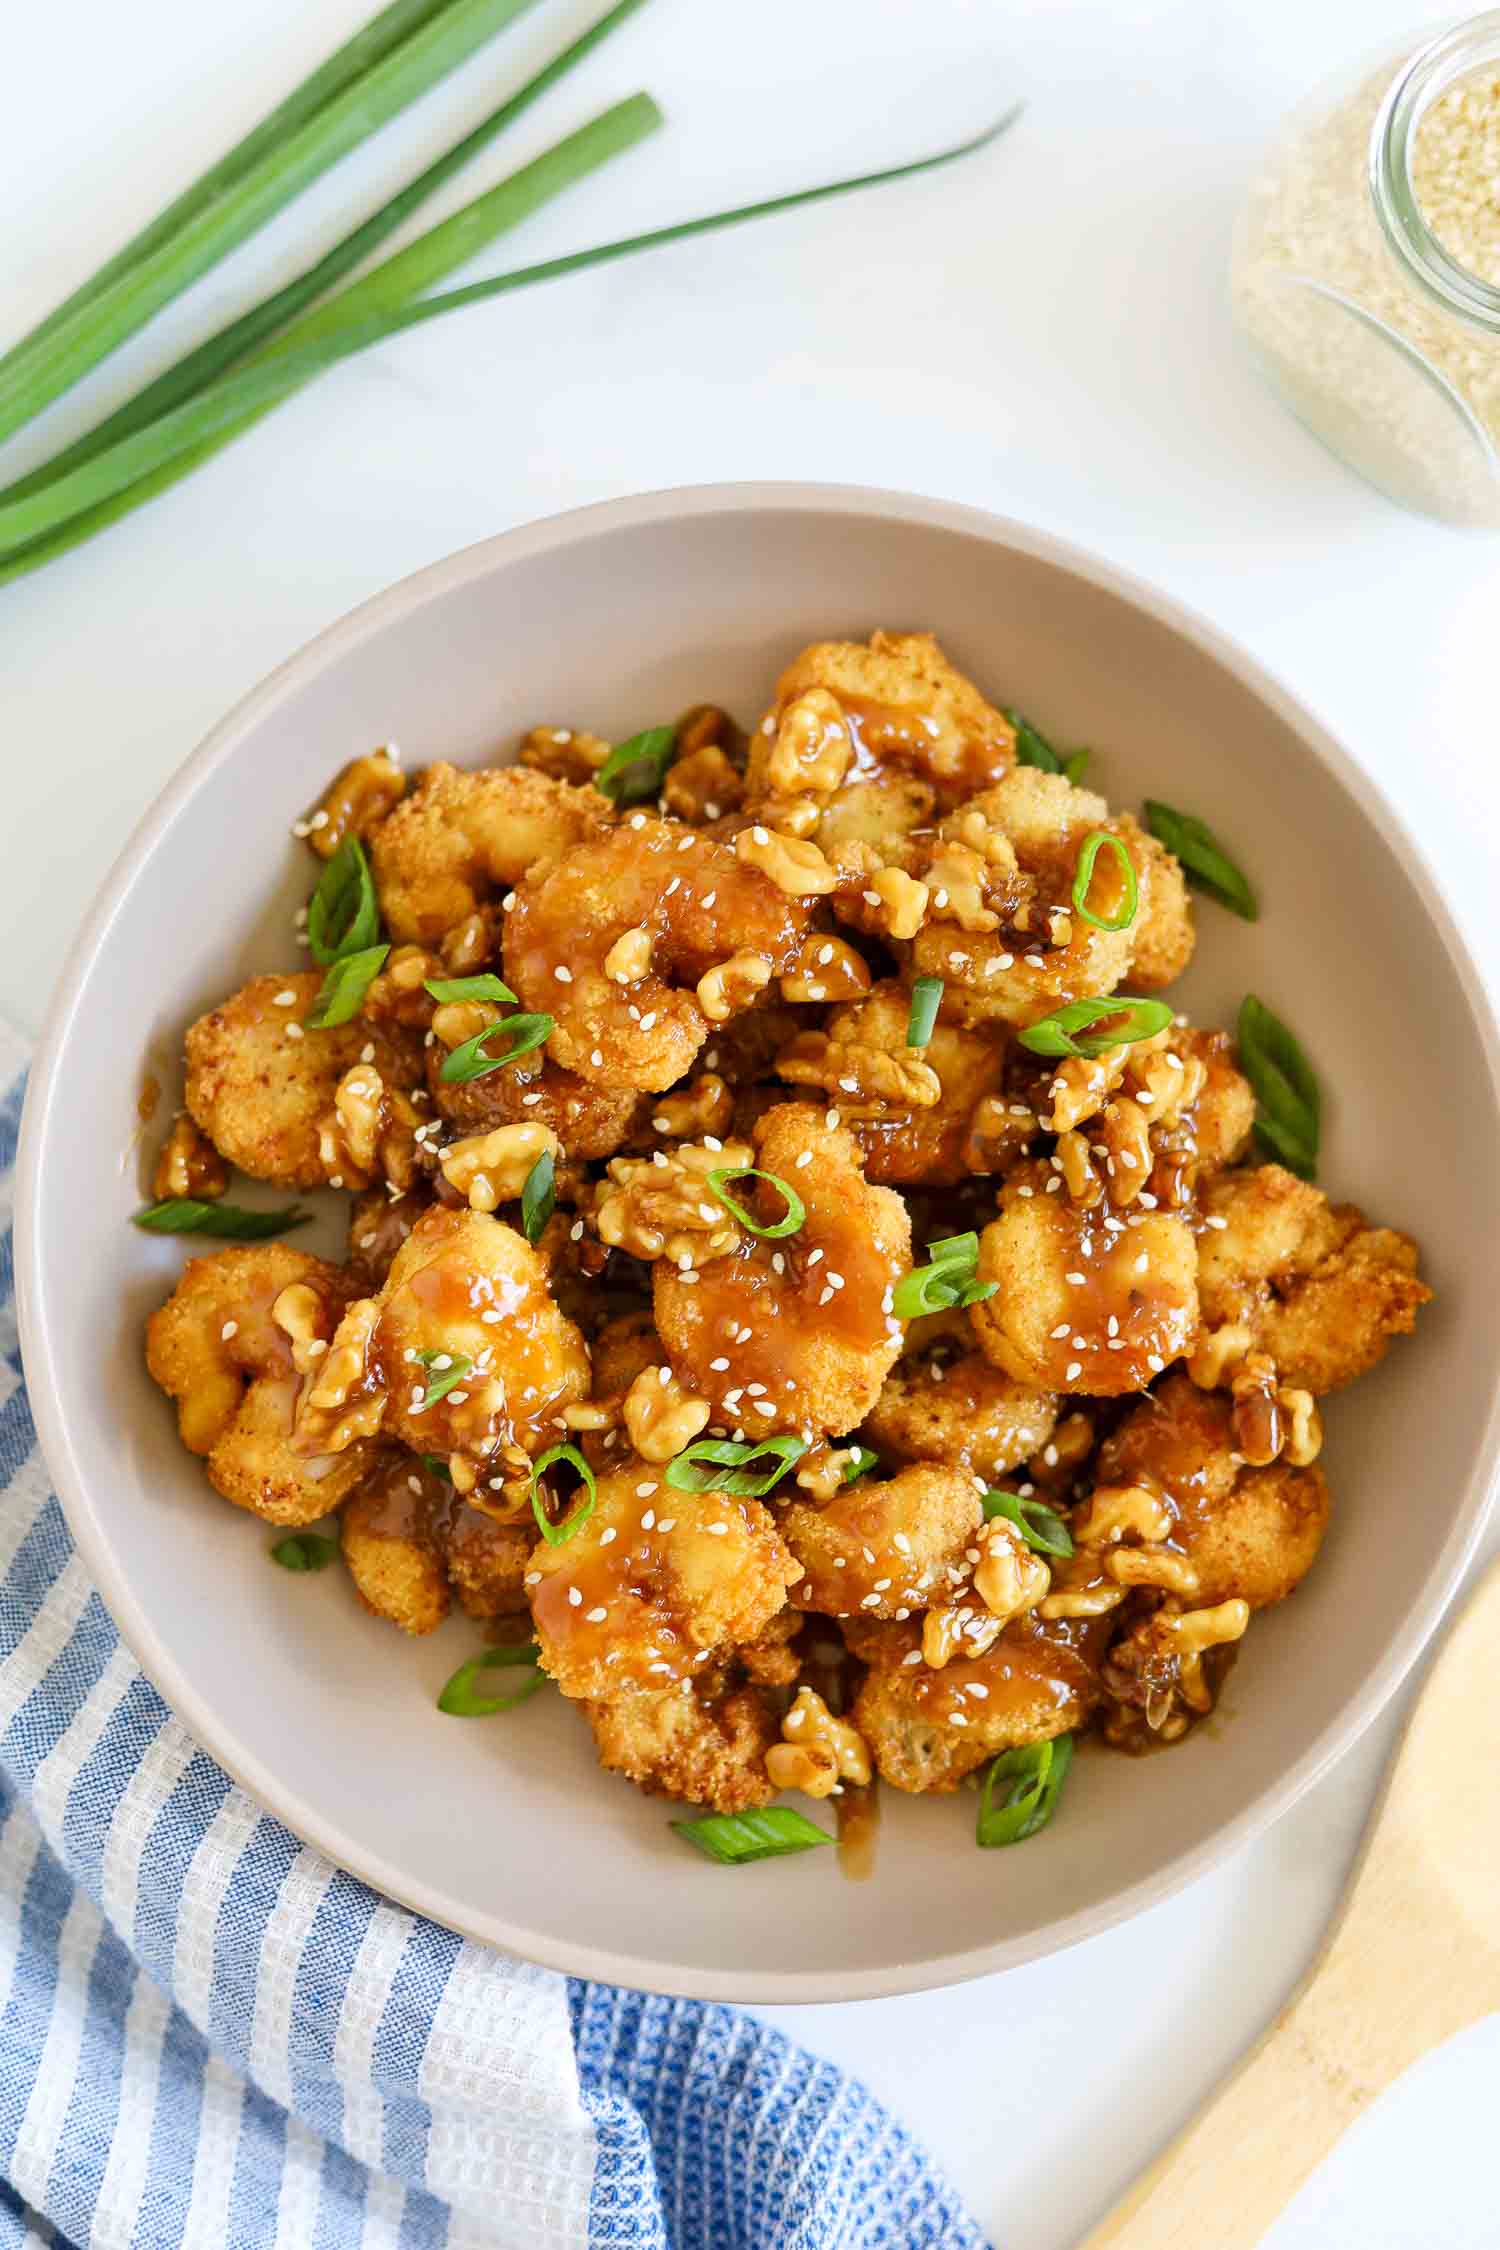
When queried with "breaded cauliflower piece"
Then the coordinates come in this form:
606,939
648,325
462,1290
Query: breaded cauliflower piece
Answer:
378,1225
654,1584
623,1349
408,1538
216,1348
1311,1283
899,702
459,837
880,1544
927,1730
592,1122
265,1090
910,1108
638,941
464,1292
701,1748
796,1333
945,1401
1086,1301
1162,936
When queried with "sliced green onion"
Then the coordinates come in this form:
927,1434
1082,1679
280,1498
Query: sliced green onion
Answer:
343,914
460,1699
1040,1526
1135,1019
183,1214
792,1219
450,1370
1032,747
635,770
538,1195
558,1534
948,1278
859,1464
177,450
1289,1119
449,989
1030,1781
305,1550
436,1466
926,999
734,1839
1098,840
474,1060
52,358
694,1469
1077,766
1204,859
341,994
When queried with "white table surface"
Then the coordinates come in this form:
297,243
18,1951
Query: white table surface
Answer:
1042,332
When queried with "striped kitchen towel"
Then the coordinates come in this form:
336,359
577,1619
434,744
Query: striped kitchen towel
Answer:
211,2037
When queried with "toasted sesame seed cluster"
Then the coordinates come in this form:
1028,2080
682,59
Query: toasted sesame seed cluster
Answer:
799,1279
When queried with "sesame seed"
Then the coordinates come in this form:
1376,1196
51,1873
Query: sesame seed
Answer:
716,1530
1218,1224
719,1366
871,898
608,1536
575,1597
1075,1368
294,1031
914,1657
710,898
800,1163
1077,1279
318,820
230,1328
287,999
563,976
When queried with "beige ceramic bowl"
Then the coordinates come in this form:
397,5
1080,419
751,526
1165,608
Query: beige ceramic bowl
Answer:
611,619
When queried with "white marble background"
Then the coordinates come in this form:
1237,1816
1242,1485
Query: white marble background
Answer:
1044,334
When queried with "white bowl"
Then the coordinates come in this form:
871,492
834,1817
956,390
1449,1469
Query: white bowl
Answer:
609,619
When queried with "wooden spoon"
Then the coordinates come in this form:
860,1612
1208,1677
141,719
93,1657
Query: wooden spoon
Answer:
1413,1956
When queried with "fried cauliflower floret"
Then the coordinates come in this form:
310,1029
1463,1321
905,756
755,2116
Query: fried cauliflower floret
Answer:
795,1333
944,1401
1162,937
218,1350
1085,1301
896,701
623,1349
1244,1534
637,942
266,1091
378,1225
410,1541
910,1108
1000,927
590,1121
464,1292
704,1748
653,1584
459,837
928,1729
879,1545
1309,1282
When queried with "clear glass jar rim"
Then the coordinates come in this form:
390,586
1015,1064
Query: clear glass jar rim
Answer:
1424,79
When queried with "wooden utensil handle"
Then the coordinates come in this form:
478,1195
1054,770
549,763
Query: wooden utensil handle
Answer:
1232,2171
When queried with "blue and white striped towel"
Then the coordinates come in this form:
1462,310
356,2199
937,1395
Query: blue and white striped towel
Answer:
212,2038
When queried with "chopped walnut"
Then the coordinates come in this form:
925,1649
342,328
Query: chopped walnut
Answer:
454,1021
1270,1421
955,885
959,1629
817,1750
336,1407
566,753
1009,1578
492,1168
629,957
1217,1353
189,1165
354,801
703,1106
1127,1143
998,1130
1117,1511
661,1417
827,968
857,1074
796,867
812,750
371,1134
902,902
661,1207
724,990
703,786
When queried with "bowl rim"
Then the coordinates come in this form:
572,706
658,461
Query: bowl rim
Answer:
87,1524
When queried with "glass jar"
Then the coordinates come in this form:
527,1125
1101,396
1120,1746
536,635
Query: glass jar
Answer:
1369,326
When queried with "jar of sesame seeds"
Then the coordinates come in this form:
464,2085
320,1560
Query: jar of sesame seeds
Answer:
1366,271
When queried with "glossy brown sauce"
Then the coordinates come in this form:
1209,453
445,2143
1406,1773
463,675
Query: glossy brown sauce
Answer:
885,734
1034,1662
1151,1319
149,1098
857,1815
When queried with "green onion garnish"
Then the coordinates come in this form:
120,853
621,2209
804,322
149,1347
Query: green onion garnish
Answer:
1041,1527
538,1195
1097,841
436,1466
450,1370
947,1279
341,994
1203,857
474,1060
1032,748
1031,1781
635,770
1289,1120
861,1461
734,1839
558,1534
459,1699
791,1220
343,914
1133,1019
305,1550
486,987
926,999
1077,766
694,1468
183,1214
